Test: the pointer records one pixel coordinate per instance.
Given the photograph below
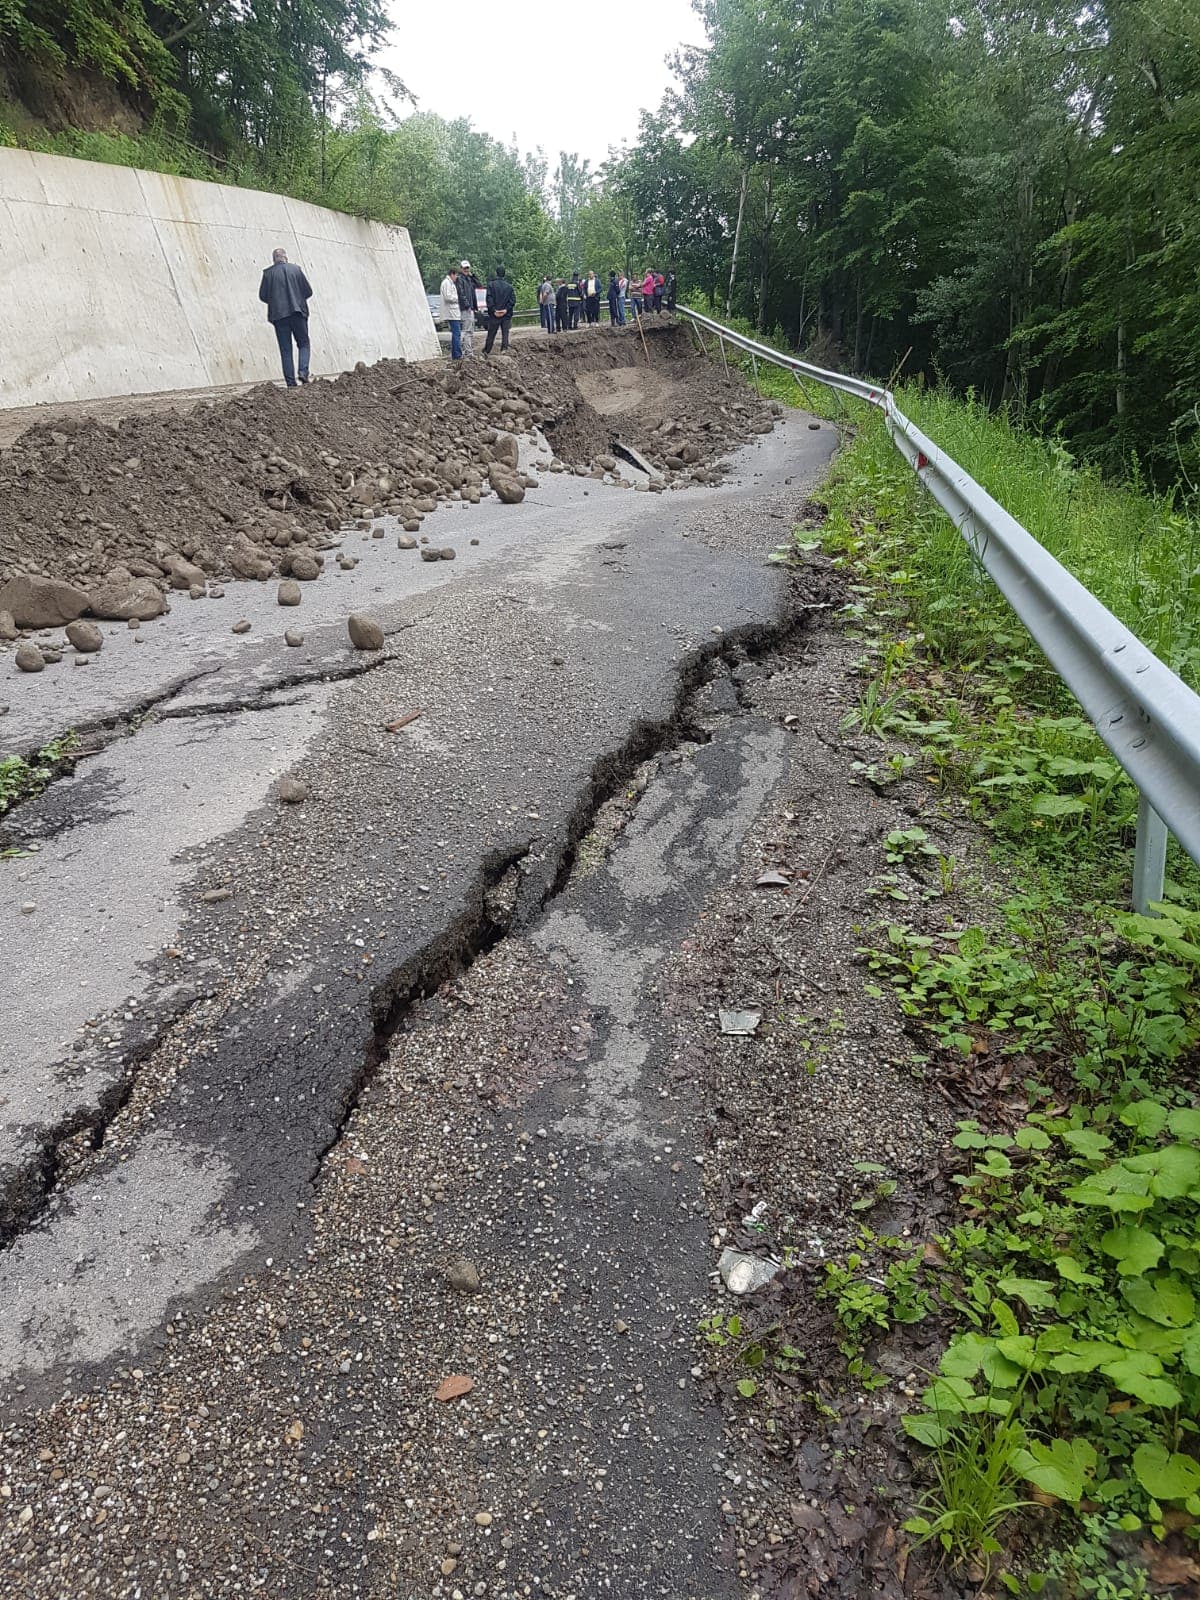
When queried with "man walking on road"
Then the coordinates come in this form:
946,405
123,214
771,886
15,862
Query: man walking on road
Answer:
501,302
285,292
452,312
467,285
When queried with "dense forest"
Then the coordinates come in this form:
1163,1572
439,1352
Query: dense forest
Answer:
1005,196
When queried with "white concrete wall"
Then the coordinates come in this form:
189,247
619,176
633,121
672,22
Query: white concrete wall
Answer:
115,281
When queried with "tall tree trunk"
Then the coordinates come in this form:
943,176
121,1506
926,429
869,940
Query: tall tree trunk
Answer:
765,275
858,318
737,237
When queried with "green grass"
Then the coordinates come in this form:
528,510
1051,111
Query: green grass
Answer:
1137,551
1066,1291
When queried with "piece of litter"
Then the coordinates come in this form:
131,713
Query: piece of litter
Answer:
772,879
403,722
741,1273
739,1023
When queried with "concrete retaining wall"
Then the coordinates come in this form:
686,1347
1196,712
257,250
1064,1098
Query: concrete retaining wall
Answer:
115,281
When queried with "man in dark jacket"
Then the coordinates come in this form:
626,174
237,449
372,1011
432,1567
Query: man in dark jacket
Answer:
468,283
501,302
285,292
561,314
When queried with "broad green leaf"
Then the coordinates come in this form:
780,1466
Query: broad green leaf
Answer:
1057,805
1146,1117
1165,1475
1189,1352
1135,1249
1035,1292
926,1428
1032,1139
1137,1373
1019,1349
1087,1142
747,1388
1060,1468
973,1353
1165,1300
1177,1173
1086,1355
971,942
1185,1123
1116,1187
1070,1269
1004,1319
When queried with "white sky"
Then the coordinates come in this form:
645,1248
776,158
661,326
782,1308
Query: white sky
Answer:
560,78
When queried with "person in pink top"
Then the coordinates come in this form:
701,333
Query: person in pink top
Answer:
648,289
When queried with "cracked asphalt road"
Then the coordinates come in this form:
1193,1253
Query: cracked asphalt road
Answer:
210,1048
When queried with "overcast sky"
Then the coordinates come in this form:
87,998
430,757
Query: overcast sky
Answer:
558,77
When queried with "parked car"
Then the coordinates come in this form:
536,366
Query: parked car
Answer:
439,321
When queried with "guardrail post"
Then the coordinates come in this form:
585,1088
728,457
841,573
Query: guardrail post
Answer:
754,364
724,363
1149,858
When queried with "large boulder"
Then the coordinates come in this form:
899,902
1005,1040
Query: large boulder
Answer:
184,574
120,597
506,450
247,560
509,488
85,636
42,602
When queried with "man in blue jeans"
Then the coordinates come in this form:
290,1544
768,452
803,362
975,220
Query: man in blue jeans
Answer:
285,292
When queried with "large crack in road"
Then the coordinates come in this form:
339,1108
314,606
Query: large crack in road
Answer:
543,672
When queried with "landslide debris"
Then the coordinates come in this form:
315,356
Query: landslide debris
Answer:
258,486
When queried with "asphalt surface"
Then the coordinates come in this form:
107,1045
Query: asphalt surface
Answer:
180,1065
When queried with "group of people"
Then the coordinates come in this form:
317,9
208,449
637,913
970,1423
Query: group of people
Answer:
460,299
564,303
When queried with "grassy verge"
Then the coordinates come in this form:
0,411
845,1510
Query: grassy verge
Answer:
1057,1440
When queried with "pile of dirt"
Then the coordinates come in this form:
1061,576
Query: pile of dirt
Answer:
264,482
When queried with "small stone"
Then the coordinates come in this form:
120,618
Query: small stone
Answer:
240,627
430,553
289,593
413,525
293,638
212,897
291,791
365,632
377,533
28,908
621,1326
29,658
483,1519
406,542
306,567
448,1566
447,553
81,661
463,1275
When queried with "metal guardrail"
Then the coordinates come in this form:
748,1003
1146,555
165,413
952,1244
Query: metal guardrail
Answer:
1146,715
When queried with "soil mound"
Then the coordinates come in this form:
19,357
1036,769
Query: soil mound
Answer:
257,485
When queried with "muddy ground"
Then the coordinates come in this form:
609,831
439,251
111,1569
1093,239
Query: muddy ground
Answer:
243,486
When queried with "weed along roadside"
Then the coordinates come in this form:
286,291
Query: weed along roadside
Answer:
982,1360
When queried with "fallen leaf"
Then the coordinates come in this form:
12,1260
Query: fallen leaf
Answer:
355,1168
933,1255
1118,1406
454,1387
1171,1570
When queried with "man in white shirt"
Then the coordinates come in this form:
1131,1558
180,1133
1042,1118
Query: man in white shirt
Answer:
452,312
